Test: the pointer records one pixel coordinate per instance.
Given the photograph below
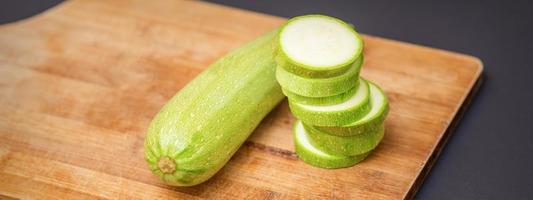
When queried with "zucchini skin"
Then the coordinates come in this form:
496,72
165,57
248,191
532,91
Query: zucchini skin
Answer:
285,62
204,124
331,100
345,145
334,117
369,123
314,156
320,87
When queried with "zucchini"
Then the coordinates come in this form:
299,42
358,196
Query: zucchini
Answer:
345,145
370,122
203,125
320,87
335,115
318,46
314,156
330,100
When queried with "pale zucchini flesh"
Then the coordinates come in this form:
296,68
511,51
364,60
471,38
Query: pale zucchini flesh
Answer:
313,156
368,123
203,125
337,114
319,87
318,46
345,145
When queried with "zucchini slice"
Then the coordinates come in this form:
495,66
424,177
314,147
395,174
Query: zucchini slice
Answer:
313,156
338,114
335,99
345,145
370,122
318,46
319,87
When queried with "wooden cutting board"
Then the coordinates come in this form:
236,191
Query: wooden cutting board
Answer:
80,83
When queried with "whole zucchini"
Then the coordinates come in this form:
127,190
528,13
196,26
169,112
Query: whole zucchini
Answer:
204,124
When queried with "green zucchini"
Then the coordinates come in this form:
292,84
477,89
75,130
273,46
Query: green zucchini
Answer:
345,145
320,87
203,125
337,114
368,123
330,100
313,156
318,46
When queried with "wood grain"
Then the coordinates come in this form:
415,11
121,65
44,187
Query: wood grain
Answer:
80,83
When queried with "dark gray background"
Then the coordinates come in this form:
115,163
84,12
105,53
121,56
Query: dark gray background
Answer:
489,154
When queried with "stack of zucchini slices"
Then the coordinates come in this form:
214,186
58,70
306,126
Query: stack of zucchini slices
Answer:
340,114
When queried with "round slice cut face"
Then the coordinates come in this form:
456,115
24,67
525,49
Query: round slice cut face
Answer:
319,87
345,145
318,42
313,156
379,107
338,114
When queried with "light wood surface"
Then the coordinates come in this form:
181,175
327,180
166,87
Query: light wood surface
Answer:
80,83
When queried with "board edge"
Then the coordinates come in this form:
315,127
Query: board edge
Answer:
433,158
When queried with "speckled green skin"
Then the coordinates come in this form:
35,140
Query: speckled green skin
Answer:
204,124
335,99
303,70
319,87
345,145
332,118
370,124
323,160
284,62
